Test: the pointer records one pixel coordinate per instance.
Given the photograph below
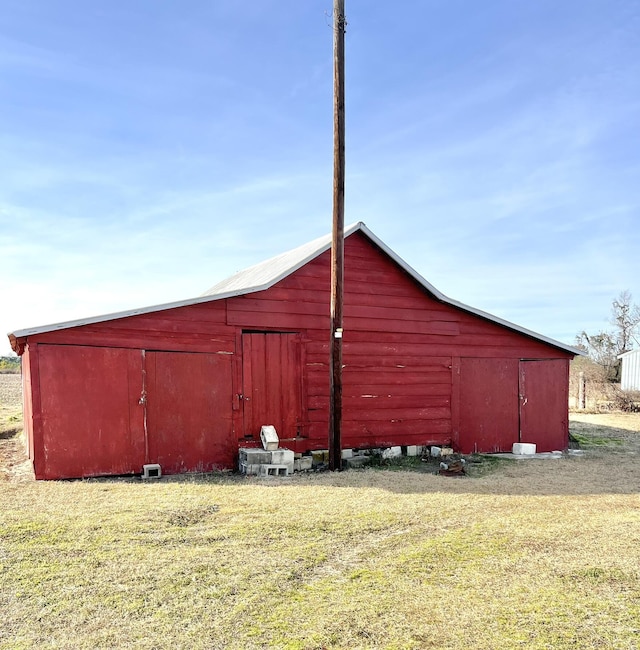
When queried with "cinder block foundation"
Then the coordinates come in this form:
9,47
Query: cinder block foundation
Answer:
282,457
276,470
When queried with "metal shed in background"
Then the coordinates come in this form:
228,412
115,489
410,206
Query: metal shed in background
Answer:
630,377
185,384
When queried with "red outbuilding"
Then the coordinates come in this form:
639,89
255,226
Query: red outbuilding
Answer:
185,384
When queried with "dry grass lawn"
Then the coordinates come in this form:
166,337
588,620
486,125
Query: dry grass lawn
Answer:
533,554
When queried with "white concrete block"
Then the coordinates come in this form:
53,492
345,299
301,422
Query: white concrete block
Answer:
276,470
523,448
269,437
435,452
446,451
250,469
254,455
347,453
412,450
282,456
152,470
392,452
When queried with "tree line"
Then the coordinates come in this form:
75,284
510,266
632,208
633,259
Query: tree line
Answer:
9,365
603,348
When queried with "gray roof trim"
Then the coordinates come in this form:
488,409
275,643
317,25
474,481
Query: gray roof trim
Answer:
264,275
30,331
459,305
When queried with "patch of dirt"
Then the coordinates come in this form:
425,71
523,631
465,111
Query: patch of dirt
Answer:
10,390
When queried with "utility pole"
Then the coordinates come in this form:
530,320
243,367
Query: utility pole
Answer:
337,242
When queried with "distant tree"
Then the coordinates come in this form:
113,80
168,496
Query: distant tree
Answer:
625,318
9,365
605,346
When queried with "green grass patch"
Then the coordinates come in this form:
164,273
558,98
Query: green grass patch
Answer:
590,441
369,559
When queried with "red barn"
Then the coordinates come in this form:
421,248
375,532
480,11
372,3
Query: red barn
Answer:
186,384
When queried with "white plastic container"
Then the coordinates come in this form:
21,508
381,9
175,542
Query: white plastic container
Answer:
523,449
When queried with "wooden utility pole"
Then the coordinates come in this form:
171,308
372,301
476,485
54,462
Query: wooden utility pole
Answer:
337,242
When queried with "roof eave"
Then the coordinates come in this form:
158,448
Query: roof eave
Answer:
315,252
459,305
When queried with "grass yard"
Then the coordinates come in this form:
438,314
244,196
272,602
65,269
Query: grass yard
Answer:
533,554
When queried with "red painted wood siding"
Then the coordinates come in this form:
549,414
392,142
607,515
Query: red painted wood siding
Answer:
272,384
189,426
489,418
91,423
402,349
543,403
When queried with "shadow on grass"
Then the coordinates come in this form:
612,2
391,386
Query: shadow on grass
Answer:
585,435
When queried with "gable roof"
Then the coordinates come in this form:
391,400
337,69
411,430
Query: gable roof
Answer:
264,275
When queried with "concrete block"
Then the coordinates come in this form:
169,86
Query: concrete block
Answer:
276,470
435,452
357,461
282,456
269,437
412,450
250,469
392,452
446,451
320,456
303,463
254,455
523,448
152,470
347,453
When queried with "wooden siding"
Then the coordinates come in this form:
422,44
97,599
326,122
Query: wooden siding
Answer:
402,356
489,419
543,403
91,423
189,411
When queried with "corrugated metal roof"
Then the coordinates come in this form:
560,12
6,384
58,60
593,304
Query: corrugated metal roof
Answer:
265,274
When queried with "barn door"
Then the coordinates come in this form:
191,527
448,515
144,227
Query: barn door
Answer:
271,383
544,403
188,411
488,404
91,422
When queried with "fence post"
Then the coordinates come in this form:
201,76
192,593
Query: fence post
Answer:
582,397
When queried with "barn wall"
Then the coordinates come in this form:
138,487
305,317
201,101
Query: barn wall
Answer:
401,348
402,351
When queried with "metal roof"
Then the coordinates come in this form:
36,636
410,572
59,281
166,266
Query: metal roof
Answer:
629,353
265,274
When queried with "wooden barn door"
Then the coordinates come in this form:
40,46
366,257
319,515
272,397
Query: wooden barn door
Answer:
188,411
544,403
271,383
488,404
91,422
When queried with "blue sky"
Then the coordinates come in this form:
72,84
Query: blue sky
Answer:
149,149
